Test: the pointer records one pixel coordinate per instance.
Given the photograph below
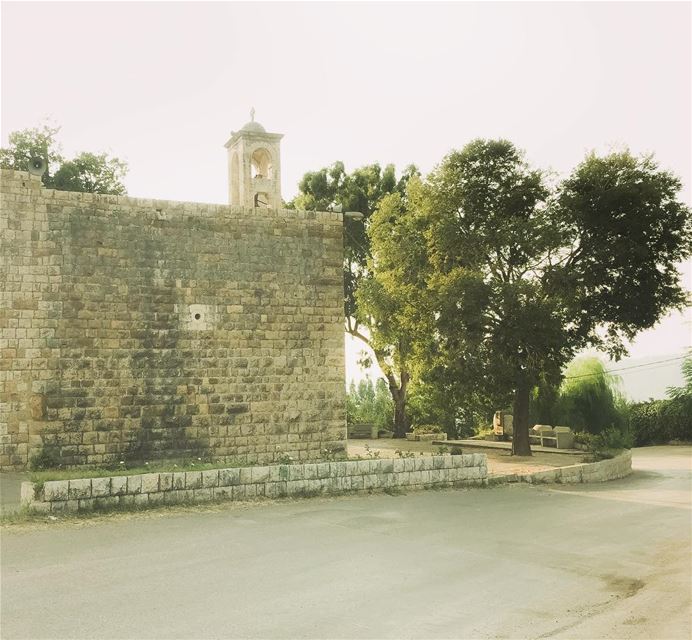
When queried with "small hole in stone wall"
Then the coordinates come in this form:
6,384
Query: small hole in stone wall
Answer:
198,316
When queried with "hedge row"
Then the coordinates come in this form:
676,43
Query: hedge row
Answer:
661,421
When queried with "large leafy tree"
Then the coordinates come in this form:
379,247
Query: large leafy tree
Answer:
87,172
520,277
363,190
92,173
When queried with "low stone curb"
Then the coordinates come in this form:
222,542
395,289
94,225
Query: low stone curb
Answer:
244,483
601,471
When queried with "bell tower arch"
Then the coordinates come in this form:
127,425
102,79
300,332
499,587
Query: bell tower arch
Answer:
254,167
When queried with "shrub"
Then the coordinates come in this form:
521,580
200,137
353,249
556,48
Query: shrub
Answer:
370,404
426,428
660,421
612,439
45,459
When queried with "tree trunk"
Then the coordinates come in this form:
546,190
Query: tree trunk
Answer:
401,422
520,438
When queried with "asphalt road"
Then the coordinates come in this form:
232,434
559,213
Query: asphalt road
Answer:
600,561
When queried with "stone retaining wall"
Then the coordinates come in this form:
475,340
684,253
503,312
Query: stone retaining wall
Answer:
273,481
602,471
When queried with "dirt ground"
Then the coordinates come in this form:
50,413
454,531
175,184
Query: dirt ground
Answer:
500,462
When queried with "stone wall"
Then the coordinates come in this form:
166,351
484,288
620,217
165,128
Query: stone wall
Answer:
252,482
611,469
140,329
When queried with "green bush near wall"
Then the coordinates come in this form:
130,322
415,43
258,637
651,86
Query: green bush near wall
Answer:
660,421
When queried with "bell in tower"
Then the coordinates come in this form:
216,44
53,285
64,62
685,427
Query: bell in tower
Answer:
254,167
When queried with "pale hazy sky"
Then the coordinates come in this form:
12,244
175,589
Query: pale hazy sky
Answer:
163,84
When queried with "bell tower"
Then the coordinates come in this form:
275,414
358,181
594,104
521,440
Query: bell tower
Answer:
254,167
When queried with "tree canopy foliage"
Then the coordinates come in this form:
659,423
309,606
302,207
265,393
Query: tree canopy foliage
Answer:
363,190
508,278
87,172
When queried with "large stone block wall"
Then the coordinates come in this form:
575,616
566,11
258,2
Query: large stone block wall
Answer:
142,329
275,481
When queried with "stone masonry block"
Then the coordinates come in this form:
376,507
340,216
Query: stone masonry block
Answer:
157,497
134,485
259,474
178,481
229,477
323,470
193,479
165,481
398,465
310,471
386,465
79,489
223,493
245,475
210,478
296,472
150,482
363,467
118,485
100,487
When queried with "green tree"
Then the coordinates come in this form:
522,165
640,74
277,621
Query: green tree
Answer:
370,403
92,173
589,398
363,190
87,172
32,143
520,277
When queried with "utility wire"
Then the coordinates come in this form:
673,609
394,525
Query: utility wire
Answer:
636,366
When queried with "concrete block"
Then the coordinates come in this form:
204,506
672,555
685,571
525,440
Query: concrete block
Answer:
79,489
150,482
118,485
210,478
100,487
55,490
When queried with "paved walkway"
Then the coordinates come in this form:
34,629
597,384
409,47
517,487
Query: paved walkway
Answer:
581,561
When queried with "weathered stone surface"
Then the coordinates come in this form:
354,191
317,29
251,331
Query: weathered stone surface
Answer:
229,477
99,296
79,489
150,482
210,478
118,485
100,487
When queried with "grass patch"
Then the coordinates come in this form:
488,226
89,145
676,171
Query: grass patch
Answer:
124,469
